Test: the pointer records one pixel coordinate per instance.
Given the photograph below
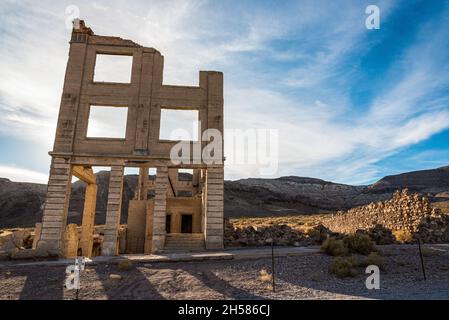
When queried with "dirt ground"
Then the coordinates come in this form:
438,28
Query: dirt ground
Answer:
304,277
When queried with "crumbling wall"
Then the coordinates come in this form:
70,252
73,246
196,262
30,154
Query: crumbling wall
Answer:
280,234
406,211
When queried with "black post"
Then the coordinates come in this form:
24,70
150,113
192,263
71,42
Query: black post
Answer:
422,259
272,265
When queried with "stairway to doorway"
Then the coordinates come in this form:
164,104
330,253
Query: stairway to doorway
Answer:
184,242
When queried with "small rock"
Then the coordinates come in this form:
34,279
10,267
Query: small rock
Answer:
115,277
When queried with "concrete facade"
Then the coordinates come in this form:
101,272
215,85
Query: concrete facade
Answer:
74,153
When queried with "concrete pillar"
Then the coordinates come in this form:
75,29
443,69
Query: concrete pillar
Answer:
213,228
148,249
37,234
172,183
144,188
87,229
110,242
135,235
196,178
70,244
159,212
54,217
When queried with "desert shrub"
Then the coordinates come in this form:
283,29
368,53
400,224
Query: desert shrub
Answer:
359,243
125,265
264,276
403,236
373,259
344,267
314,234
381,235
334,247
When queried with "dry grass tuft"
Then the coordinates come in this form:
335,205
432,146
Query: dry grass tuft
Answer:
343,267
334,247
264,276
125,265
359,243
403,236
316,276
373,259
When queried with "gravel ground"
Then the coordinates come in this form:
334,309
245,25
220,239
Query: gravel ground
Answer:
304,277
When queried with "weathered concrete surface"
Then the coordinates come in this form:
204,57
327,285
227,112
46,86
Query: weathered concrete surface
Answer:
145,96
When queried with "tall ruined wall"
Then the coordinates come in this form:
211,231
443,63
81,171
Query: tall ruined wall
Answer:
406,211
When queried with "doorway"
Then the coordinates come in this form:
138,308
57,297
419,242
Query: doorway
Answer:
186,223
168,223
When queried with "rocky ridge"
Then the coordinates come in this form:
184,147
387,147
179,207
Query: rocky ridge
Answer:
21,203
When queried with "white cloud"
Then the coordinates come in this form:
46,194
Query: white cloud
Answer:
22,175
321,133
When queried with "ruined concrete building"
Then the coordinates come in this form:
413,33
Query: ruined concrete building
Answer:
166,212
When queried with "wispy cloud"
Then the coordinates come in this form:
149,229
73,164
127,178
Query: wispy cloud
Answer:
22,174
288,67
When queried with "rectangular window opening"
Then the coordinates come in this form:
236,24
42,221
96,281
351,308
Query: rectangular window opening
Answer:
179,125
183,193
185,174
107,122
113,68
152,173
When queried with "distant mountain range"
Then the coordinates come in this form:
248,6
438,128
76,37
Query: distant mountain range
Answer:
21,203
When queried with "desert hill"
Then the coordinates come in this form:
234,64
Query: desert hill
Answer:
21,203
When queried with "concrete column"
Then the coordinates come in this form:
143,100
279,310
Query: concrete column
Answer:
159,211
37,234
110,242
87,229
141,192
54,217
148,249
213,228
70,244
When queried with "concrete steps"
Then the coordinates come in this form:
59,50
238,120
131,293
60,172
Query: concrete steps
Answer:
184,242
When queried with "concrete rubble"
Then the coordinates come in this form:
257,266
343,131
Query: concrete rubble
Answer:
405,212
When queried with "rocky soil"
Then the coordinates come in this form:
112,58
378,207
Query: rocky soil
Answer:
304,277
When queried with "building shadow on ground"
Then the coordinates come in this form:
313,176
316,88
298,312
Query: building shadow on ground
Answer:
133,285
45,283
212,281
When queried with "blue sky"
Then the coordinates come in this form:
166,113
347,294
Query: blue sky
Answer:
350,104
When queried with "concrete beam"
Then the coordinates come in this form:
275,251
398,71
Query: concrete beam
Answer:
84,173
